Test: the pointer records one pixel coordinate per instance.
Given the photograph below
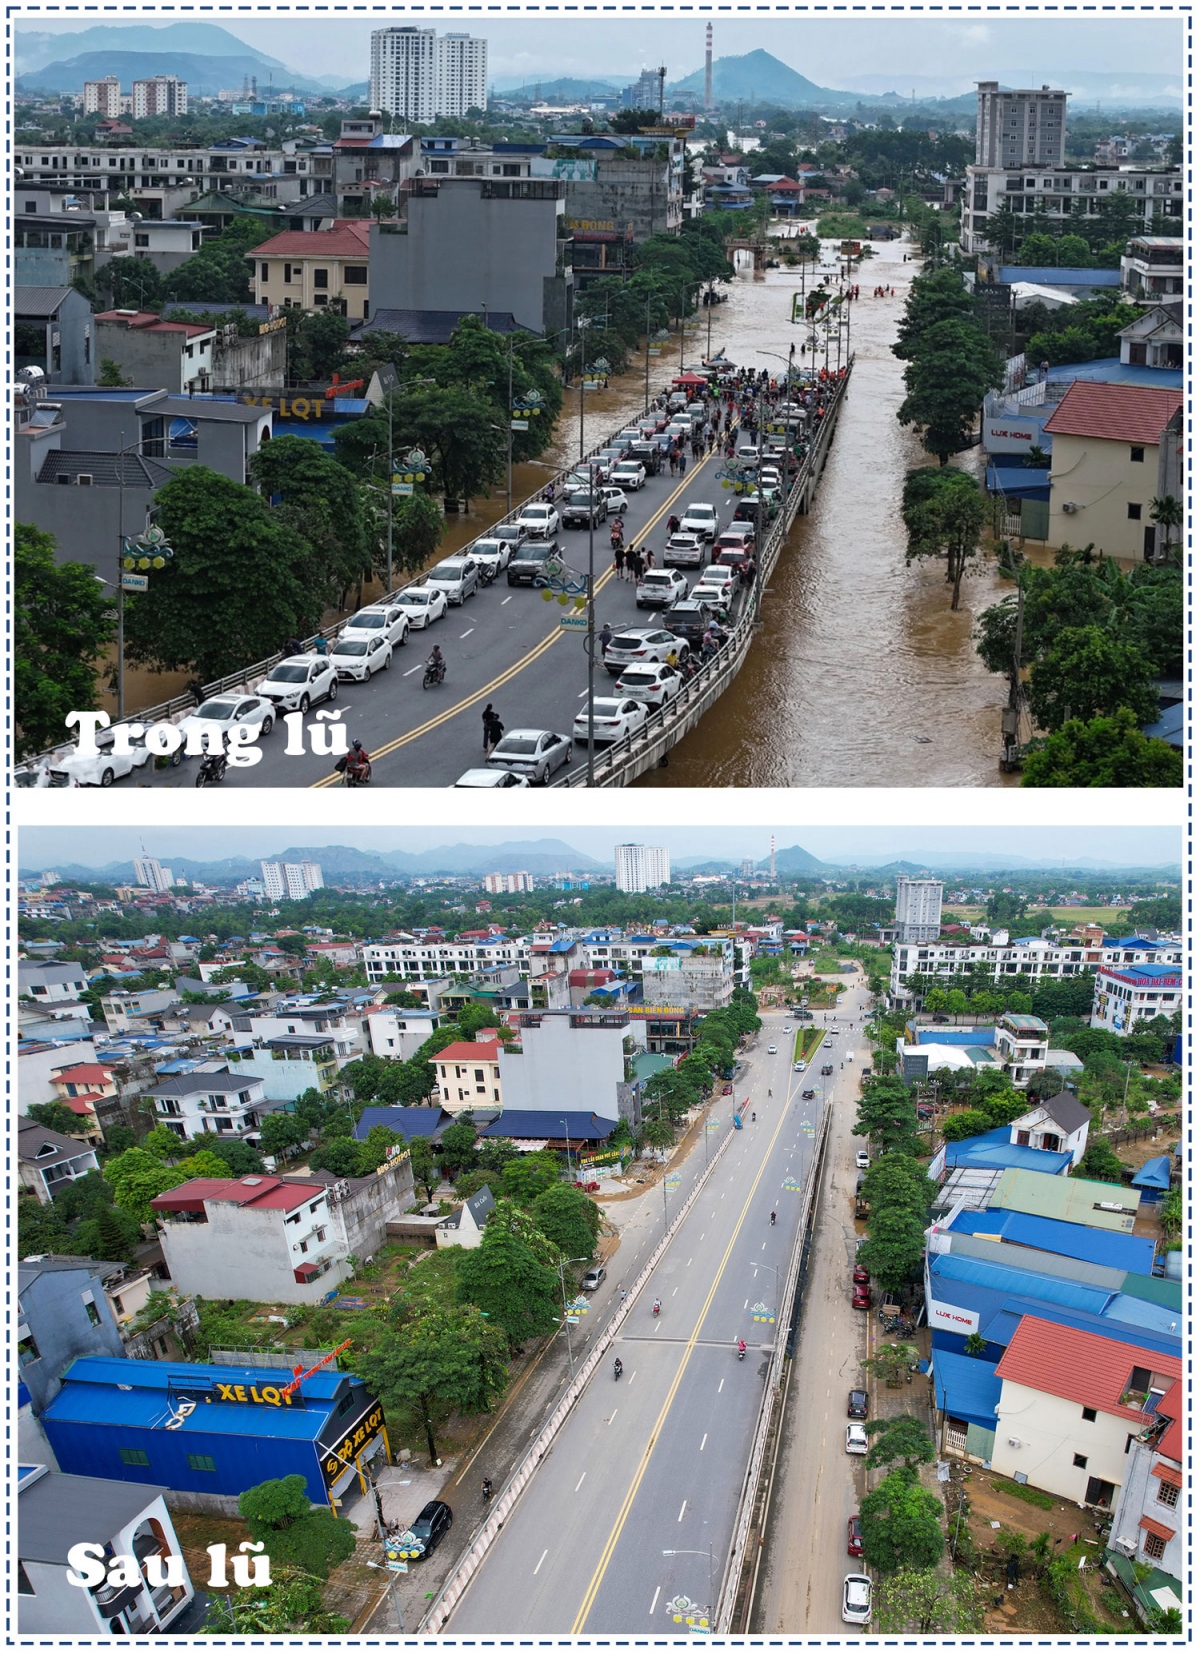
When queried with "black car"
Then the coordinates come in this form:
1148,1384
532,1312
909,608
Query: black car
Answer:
827,1068
858,1404
648,455
808,1094
582,510
529,561
431,1526
689,620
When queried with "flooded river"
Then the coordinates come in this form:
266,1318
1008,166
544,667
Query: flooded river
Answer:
861,676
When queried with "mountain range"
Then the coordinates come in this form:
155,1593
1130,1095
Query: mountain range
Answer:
209,58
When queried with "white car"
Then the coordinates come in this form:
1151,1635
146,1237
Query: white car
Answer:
856,1439
862,1160
357,658
637,645
683,550
656,685
716,596
771,1050
423,604
492,555
612,719
458,577
615,500
226,712
386,620
630,473
491,778
539,520
299,680
797,1068
856,1599
700,519
535,753
659,588
77,771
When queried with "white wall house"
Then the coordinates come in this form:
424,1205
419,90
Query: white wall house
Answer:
1149,1517
468,1074
1135,993
568,1060
221,1102
1059,1124
1021,1045
399,1033
262,1238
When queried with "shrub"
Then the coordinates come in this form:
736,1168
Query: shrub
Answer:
1031,1495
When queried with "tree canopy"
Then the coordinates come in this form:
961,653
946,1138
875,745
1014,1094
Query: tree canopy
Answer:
62,625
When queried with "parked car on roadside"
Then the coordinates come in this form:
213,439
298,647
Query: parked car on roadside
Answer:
640,644
659,588
856,1439
356,658
535,753
856,1599
655,685
539,520
458,577
683,550
854,1544
858,1404
295,683
387,620
529,561
424,604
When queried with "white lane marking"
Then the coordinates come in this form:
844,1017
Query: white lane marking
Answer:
413,669
654,1604
688,1264
611,1416
721,1385
746,1305
633,1375
682,1508
581,694
579,1483
702,1443
764,1246
673,1293
541,1559
507,599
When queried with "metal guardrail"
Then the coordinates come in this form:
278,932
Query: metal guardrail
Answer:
731,1583
247,678
633,755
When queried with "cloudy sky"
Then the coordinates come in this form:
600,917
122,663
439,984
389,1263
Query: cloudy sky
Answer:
835,53
1046,846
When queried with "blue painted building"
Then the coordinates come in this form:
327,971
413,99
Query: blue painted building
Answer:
212,1432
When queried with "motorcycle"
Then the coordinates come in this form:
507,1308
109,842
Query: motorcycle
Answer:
357,775
433,675
618,1369
212,770
741,1352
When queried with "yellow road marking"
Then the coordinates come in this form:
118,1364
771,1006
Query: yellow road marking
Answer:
597,1579
527,659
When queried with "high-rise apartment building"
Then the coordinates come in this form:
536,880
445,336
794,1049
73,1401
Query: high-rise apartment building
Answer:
102,97
918,910
507,884
641,867
272,878
1020,128
291,880
418,75
159,95
152,874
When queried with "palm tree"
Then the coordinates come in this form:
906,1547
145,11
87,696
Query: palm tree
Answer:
1167,512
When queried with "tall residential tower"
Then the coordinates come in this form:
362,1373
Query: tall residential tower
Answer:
918,910
641,867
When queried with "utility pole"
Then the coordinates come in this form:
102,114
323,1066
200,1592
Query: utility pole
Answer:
591,645
390,463
508,493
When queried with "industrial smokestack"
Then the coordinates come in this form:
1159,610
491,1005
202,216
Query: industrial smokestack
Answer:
772,858
708,101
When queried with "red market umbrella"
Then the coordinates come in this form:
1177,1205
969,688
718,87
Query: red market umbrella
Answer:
689,379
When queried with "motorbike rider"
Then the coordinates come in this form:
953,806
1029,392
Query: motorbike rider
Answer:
487,1487
618,1369
437,660
741,1348
772,1220
358,761
657,1306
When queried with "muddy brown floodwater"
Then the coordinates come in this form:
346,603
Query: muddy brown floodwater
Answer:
861,675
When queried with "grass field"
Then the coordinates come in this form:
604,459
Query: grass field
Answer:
1112,918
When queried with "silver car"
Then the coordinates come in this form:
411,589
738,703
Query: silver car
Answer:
535,753
458,577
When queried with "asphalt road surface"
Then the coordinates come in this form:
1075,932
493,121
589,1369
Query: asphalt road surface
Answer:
503,645
654,1463
818,1485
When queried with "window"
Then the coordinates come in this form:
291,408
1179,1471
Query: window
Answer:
1089,1414
355,275
27,1351
1138,455
304,1246
1168,1494
201,1461
266,272
1080,1461
133,1456
320,278
1153,1546
93,1314
320,1234
1134,513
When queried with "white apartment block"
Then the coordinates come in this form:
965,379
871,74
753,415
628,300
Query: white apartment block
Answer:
160,95
292,881
251,1237
1019,128
507,884
641,867
1026,956
417,75
919,909
414,961
152,874
568,1059
1130,994
1059,193
103,97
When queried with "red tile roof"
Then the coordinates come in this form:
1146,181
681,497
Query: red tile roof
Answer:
1170,1443
242,1191
145,321
1115,413
462,1051
89,1073
82,1105
348,240
1079,1366
1159,1529
1168,1472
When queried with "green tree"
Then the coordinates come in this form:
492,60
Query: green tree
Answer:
503,1278
903,1437
1103,752
887,1114
316,344
130,283
235,588
339,1155
442,1361
632,120
975,1344
55,1117
456,1150
525,1179
970,1123
280,1133
238,1156
293,1603
944,513
568,1217
319,501
1100,1162
1087,673
61,626
417,528
373,1150
295,1533
952,370
110,376
164,1144
900,1527
424,1167
894,1248
219,273
932,300
927,1600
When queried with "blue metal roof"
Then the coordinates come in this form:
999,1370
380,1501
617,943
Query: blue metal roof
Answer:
1140,1312
1019,482
536,1122
966,1387
1110,370
1000,1329
1073,1240
1155,1174
1049,1289
993,1150
1049,276
1168,727
408,1122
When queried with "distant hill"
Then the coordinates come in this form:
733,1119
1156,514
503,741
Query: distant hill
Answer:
1086,86
34,49
565,88
758,77
204,75
795,860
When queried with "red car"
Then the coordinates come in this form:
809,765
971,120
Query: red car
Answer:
862,1297
862,1275
727,1091
854,1545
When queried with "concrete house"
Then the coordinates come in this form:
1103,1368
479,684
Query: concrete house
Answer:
263,1238
1155,340
572,1059
1071,1406
172,356
469,1074
223,1102
1131,994
1021,1045
1059,1125
53,330
49,985
465,1227
62,1312
1105,473
315,269
47,1161
1148,1520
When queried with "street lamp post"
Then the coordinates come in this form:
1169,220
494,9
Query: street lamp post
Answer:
710,1606
582,324
394,1591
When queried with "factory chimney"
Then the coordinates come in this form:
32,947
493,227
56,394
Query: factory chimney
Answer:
708,101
